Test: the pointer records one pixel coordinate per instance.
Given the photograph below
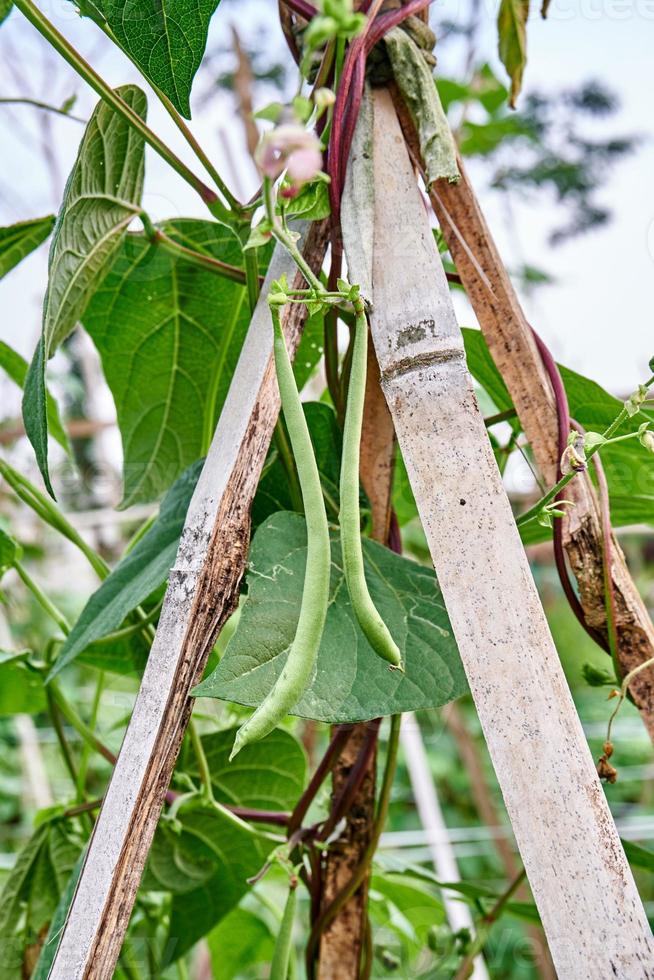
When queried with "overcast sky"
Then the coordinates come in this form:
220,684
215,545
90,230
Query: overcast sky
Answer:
598,315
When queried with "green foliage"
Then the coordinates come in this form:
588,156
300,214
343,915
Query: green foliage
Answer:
136,577
512,29
267,775
204,859
239,942
16,368
102,196
350,682
21,688
32,893
10,551
17,241
629,473
165,38
169,335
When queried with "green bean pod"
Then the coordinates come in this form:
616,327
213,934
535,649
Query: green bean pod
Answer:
296,672
284,945
373,626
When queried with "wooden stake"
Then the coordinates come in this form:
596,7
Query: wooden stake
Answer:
511,343
202,591
581,881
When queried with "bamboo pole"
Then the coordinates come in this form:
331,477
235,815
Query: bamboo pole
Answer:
579,876
202,591
511,343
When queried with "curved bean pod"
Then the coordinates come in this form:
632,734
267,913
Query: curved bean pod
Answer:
373,626
296,672
284,945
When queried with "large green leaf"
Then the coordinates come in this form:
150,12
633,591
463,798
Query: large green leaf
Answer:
137,576
166,39
17,241
16,368
102,196
239,942
5,9
32,893
512,29
351,683
205,860
267,775
169,335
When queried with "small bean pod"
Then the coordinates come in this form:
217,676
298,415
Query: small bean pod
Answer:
296,672
373,626
284,945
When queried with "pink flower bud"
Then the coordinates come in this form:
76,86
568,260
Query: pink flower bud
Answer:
291,147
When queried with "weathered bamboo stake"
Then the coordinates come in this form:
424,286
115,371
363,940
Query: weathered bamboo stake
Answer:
343,939
579,876
512,346
202,591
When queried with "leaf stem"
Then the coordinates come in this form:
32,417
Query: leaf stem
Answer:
285,239
208,262
46,604
108,95
80,726
201,759
45,106
252,278
283,448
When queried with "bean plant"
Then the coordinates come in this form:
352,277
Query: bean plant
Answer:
340,628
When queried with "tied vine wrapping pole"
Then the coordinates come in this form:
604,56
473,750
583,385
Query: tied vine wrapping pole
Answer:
202,591
582,884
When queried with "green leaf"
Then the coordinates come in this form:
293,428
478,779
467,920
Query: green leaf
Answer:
5,9
137,576
266,775
639,857
51,944
238,943
350,682
32,893
205,862
629,471
102,196
21,690
169,335
312,203
10,551
16,368
512,29
482,367
17,241
166,39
